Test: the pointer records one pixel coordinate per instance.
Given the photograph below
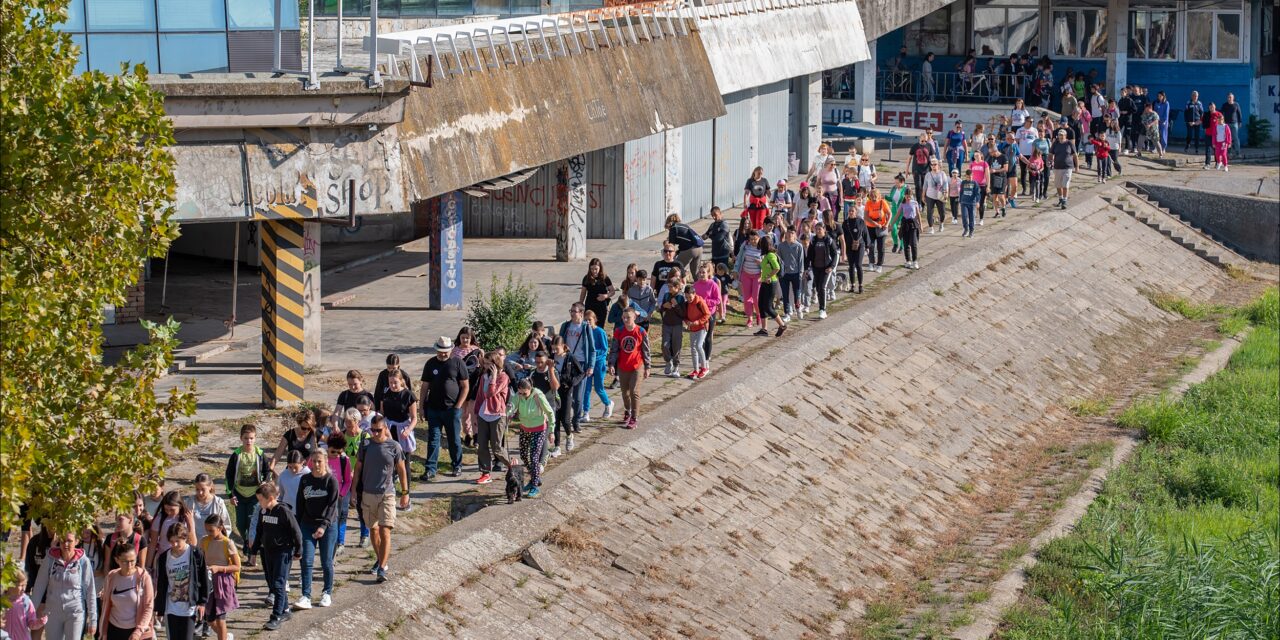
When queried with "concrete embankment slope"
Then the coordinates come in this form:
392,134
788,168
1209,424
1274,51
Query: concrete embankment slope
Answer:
774,499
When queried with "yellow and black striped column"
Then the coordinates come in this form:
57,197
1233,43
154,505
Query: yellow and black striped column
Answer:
283,337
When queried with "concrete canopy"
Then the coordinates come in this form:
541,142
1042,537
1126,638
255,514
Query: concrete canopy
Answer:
752,48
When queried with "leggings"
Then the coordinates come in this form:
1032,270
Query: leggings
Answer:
630,390
706,342
697,340
766,301
910,241
750,294
930,205
955,208
532,447
855,265
595,383
820,283
179,627
564,413
116,633
982,202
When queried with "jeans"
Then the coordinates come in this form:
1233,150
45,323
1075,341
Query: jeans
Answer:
1104,167
275,564
696,341
672,343
595,383
790,292
910,235
327,543
344,508
955,159
1235,137
966,217
450,421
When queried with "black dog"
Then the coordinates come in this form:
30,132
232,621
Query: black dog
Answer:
515,483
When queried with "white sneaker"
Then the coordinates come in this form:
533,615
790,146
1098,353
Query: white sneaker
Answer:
586,417
608,411
941,227
568,446
979,223
675,372
822,315
555,452
786,317
932,230
303,603
325,600
1225,168
542,468
231,636
1206,165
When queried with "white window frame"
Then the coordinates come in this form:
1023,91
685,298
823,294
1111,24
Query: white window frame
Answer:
1213,17
1179,33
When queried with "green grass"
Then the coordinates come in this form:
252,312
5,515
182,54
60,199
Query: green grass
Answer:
1089,407
1184,540
1179,305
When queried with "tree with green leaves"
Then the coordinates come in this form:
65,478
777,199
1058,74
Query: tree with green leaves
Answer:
85,192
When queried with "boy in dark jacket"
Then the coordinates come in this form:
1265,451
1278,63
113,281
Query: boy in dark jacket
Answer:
247,468
721,238
280,541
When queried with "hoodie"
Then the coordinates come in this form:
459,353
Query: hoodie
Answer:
67,584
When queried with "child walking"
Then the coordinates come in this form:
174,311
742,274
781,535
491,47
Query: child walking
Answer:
129,597
223,560
531,413
182,587
20,619
627,357
279,540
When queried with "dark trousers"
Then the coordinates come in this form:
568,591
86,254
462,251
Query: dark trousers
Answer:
706,342
930,205
1104,167
917,176
855,265
982,203
564,413
955,208
909,234
179,627
766,300
245,508
116,633
275,564
1193,137
790,291
450,422
1022,178
876,246
820,284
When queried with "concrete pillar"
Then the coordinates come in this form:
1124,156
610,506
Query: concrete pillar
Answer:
813,111
1117,46
673,151
290,256
864,95
571,207
445,259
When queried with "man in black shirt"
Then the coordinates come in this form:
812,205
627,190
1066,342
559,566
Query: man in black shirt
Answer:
662,268
444,389
1127,115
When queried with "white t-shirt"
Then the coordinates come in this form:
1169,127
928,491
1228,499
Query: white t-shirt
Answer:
179,573
1026,140
1018,116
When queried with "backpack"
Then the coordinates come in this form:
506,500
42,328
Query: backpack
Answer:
227,549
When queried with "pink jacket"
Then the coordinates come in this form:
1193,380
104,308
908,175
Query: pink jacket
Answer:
1224,139
146,603
491,398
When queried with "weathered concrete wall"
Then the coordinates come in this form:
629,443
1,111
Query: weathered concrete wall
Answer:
484,125
882,16
754,49
1247,225
800,478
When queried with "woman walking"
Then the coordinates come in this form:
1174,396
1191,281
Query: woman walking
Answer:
316,506
895,200
877,228
747,267
821,258
531,413
597,288
66,590
129,598
770,267
465,349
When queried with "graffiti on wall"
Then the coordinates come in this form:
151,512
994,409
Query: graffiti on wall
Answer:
571,209
228,181
311,291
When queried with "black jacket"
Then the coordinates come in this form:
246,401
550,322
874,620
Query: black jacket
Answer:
317,500
233,469
199,573
822,253
277,530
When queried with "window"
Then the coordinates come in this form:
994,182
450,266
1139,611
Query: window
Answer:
941,32
1013,26
1080,33
82,64
193,52
122,15
1213,35
75,17
108,50
191,15
260,14
1153,35
1268,28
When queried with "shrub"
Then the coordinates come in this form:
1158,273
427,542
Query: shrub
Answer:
502,317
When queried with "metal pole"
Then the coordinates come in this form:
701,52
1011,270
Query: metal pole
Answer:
312,82
275,59
375,79
235,281
164,286
338,63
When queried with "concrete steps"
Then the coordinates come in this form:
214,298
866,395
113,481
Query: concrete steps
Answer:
1133,201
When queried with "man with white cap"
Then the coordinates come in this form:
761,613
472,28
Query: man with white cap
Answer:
444,390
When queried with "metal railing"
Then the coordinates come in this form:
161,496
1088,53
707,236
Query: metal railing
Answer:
312,81
951,86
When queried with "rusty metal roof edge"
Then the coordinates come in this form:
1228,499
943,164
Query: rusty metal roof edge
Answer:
267,85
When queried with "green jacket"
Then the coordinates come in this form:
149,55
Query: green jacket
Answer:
532,412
